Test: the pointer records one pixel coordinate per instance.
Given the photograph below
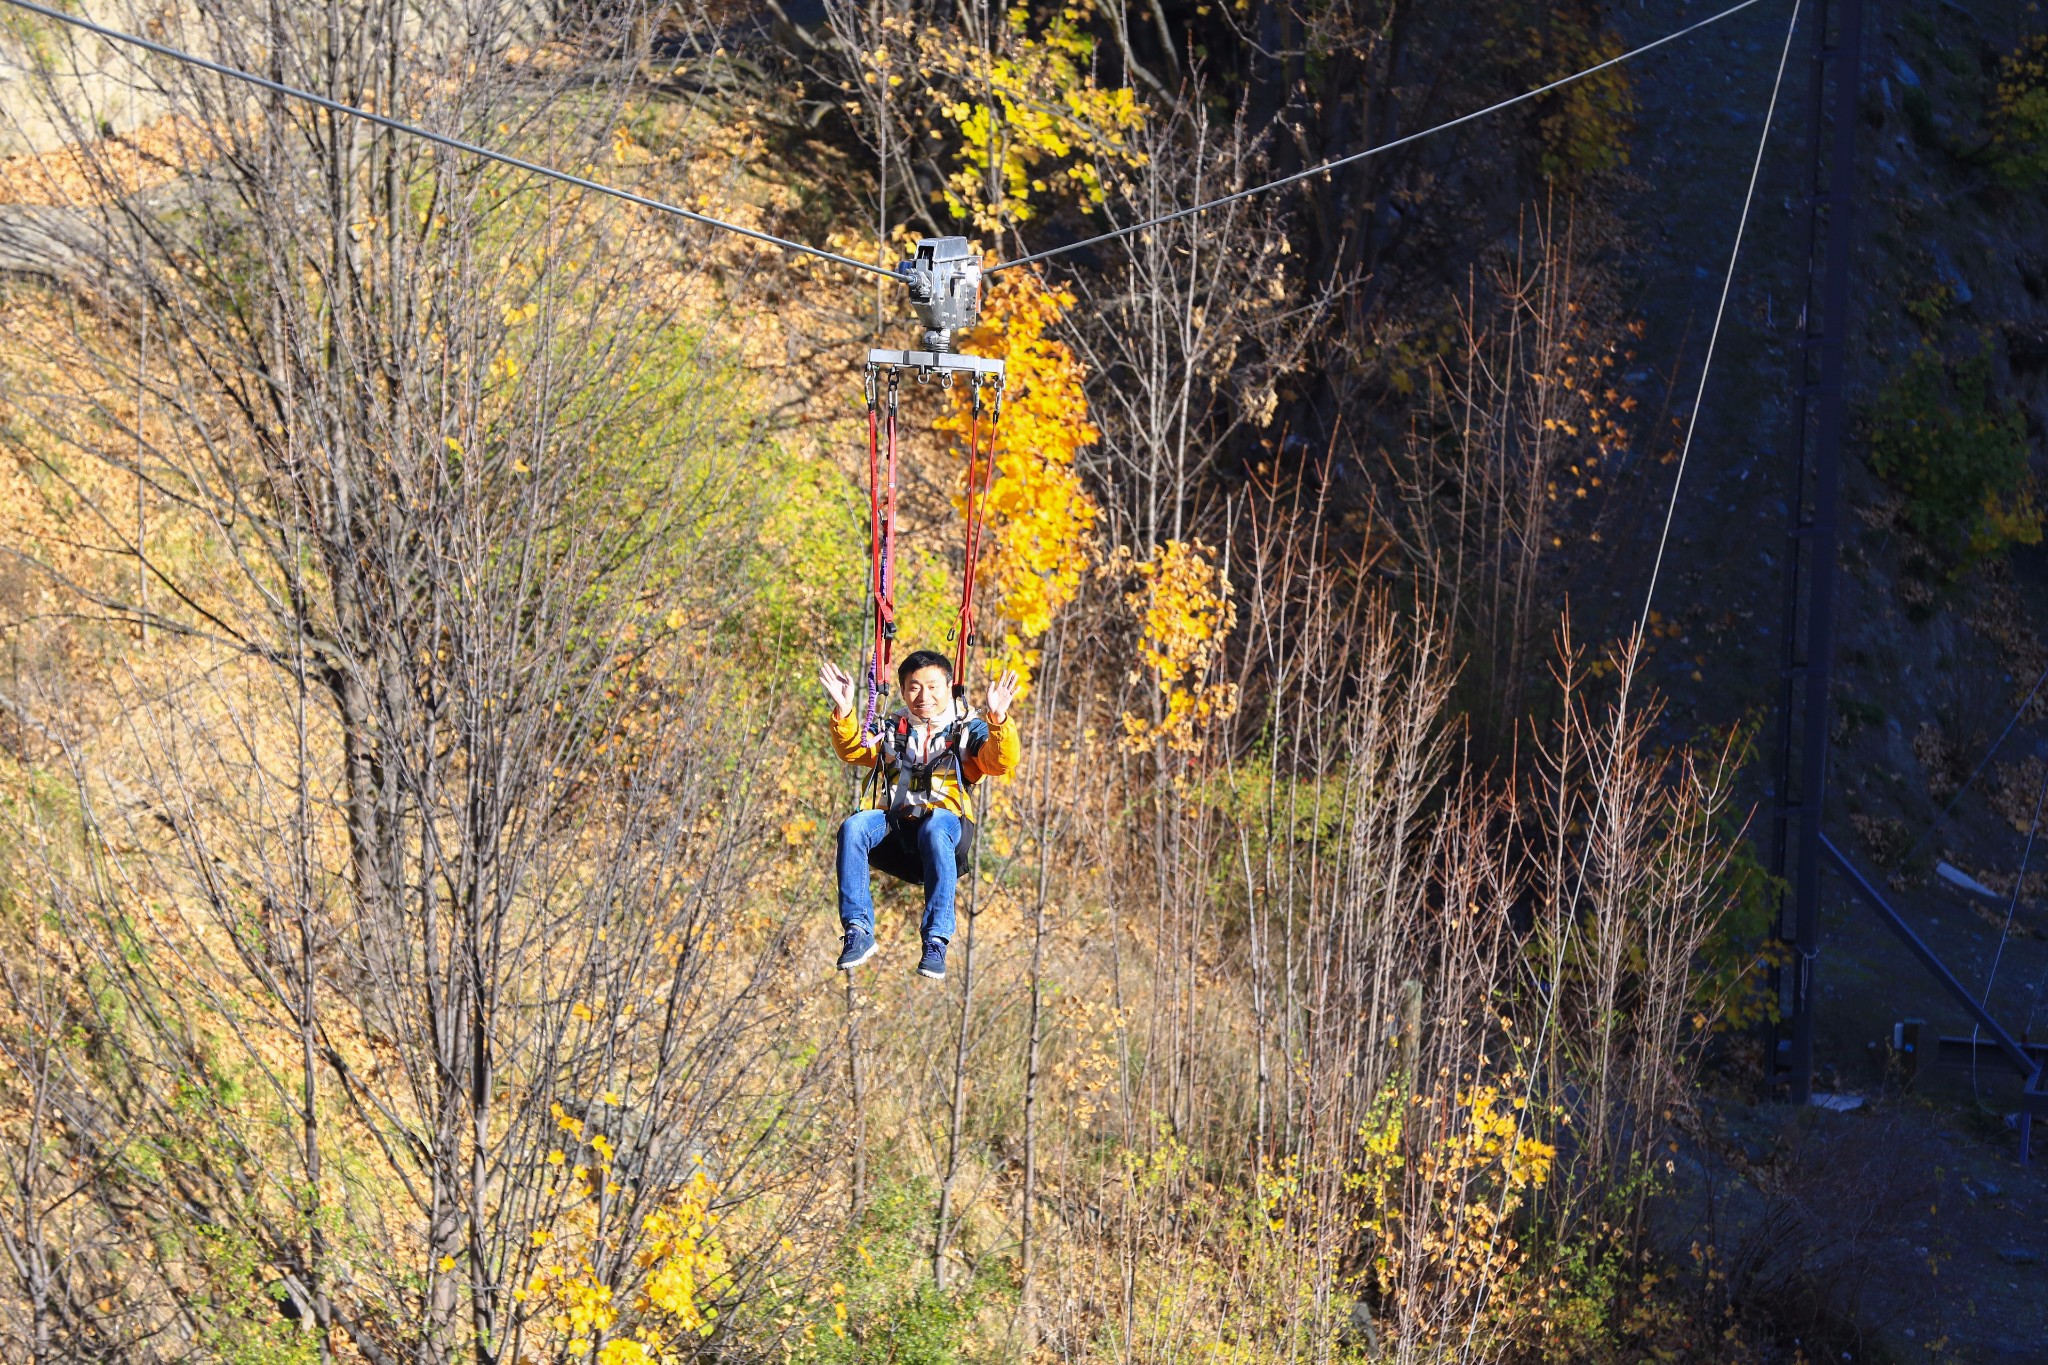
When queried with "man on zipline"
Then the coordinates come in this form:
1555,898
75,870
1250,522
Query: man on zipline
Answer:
917,821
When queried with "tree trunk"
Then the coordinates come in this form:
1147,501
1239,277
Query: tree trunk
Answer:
856,1079
960,1041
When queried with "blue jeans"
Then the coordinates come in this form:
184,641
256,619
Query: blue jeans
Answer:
937,835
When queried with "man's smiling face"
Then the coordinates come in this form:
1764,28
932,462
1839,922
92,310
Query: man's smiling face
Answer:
927,692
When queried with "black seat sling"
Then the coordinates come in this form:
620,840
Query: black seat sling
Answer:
897,853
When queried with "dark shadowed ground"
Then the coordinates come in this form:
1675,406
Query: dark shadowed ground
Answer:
1905,1229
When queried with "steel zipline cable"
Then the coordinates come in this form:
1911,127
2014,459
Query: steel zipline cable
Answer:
115,35
1328,166
453,143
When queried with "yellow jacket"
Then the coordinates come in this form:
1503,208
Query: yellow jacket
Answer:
983,748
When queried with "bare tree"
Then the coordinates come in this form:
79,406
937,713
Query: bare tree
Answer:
1191,328
1513,449
416,858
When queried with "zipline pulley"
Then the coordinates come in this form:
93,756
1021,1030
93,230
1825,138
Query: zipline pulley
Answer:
945,288
943,277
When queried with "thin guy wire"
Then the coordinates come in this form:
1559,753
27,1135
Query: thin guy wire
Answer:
2034,990
1551,1003
1326,166
1975,772
454,143
2012,906
1692,424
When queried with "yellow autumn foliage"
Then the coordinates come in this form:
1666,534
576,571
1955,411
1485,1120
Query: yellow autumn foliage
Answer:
1032,120
683,1260
1041,517
685,1264
1451,1200
1185,613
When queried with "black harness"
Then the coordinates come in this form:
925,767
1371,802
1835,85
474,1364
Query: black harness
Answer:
915,778
897,854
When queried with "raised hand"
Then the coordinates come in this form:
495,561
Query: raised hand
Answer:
838,685
1001,693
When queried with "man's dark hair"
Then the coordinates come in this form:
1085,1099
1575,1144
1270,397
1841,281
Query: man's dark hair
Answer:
923,658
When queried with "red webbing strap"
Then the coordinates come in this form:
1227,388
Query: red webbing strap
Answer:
887,616
983,469
882,548
869,607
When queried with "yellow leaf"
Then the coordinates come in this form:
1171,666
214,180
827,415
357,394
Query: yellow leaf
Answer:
1041,518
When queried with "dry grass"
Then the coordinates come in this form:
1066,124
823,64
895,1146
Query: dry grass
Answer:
144,158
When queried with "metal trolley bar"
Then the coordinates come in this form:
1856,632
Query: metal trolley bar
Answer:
940,365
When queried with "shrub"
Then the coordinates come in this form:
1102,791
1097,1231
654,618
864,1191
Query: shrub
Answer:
1940,437
1928,306
1732,989
884,1308
2016,124
1585,127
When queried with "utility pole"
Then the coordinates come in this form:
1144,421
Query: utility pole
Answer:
1801,740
